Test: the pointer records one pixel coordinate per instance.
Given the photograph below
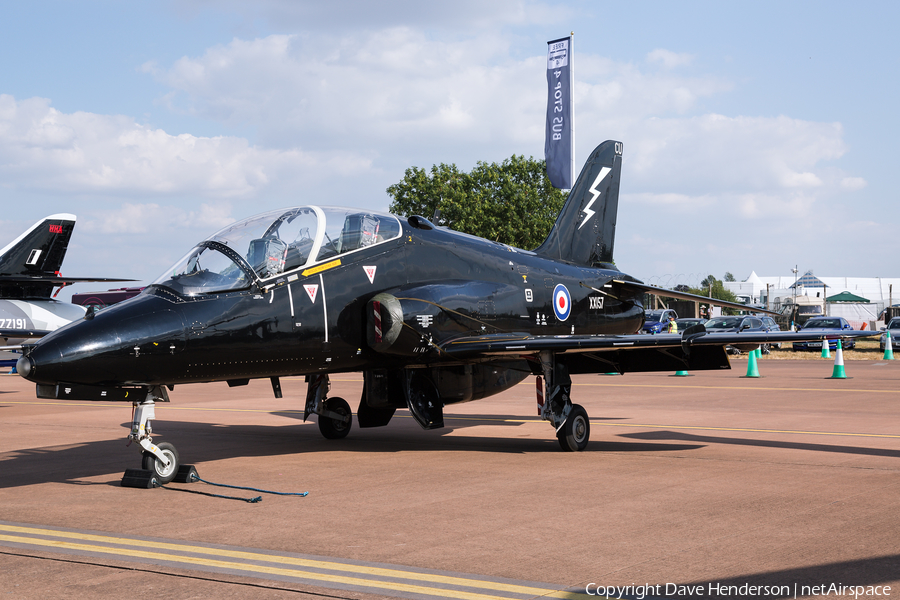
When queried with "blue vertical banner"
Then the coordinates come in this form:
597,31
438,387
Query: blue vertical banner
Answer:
559,141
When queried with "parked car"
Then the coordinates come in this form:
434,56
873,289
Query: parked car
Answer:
770,325
685,322
657,321
735,324
738,324
894,328
825,325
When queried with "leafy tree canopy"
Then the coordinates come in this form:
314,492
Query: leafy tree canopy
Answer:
512,202
712,287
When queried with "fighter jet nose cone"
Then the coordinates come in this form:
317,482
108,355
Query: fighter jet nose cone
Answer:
24,366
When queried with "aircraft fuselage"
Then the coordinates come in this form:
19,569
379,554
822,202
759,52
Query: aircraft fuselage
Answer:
315,318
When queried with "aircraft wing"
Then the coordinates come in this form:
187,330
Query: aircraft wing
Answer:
518,344
685,296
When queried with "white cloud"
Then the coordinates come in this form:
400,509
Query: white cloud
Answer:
732,154
851,184
140,218
385,88
44,149
405,95
367,105
669,59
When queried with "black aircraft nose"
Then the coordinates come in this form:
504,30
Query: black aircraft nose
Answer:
69,354
126,343
44,364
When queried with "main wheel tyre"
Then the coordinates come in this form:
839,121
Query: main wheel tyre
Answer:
574,434
163,473
335,429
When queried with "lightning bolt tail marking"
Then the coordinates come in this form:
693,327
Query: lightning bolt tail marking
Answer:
588,213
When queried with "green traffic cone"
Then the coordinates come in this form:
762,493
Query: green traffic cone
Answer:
752,368
838,372
826,348
888,346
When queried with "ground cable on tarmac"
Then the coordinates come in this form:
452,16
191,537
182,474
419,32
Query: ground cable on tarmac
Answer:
193,476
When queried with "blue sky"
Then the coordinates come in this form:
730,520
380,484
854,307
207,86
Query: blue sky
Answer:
757,136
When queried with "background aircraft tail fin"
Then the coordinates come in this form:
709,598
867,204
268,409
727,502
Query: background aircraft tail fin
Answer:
585,231
40,250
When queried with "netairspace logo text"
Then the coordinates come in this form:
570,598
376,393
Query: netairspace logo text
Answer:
713,590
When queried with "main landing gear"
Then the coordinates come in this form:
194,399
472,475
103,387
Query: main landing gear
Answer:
163,459
335,416
573,429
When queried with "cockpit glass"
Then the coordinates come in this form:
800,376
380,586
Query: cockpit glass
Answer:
286,239
347,230
204,271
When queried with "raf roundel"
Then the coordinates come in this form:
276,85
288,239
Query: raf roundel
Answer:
562,302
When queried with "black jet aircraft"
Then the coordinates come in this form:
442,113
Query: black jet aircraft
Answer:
29,273
430,316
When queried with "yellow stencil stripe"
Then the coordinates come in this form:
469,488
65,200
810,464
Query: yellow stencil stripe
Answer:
320,268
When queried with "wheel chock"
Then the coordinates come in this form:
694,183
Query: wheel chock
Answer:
186,474
139,478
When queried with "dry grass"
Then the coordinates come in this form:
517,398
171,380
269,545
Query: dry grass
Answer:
866,349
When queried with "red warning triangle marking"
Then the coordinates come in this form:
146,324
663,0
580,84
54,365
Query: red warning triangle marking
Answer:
312,291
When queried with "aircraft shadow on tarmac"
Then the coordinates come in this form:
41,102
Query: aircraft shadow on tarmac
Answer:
863,572
708,440
204,442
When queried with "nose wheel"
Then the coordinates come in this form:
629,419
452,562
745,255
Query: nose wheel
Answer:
164,472
162,460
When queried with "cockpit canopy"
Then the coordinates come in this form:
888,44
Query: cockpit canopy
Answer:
270,244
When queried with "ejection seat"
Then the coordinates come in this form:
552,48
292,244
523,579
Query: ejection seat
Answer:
360,230
267,256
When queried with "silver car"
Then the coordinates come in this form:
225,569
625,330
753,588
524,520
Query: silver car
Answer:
894,328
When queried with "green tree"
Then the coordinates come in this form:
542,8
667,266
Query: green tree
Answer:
512,202
713,288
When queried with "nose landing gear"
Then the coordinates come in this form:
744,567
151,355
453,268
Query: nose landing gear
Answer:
163,459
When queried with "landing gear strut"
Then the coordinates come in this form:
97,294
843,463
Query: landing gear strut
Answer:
573,429
163,459
335,416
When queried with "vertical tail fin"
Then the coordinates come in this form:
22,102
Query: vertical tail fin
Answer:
585,231
41,249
